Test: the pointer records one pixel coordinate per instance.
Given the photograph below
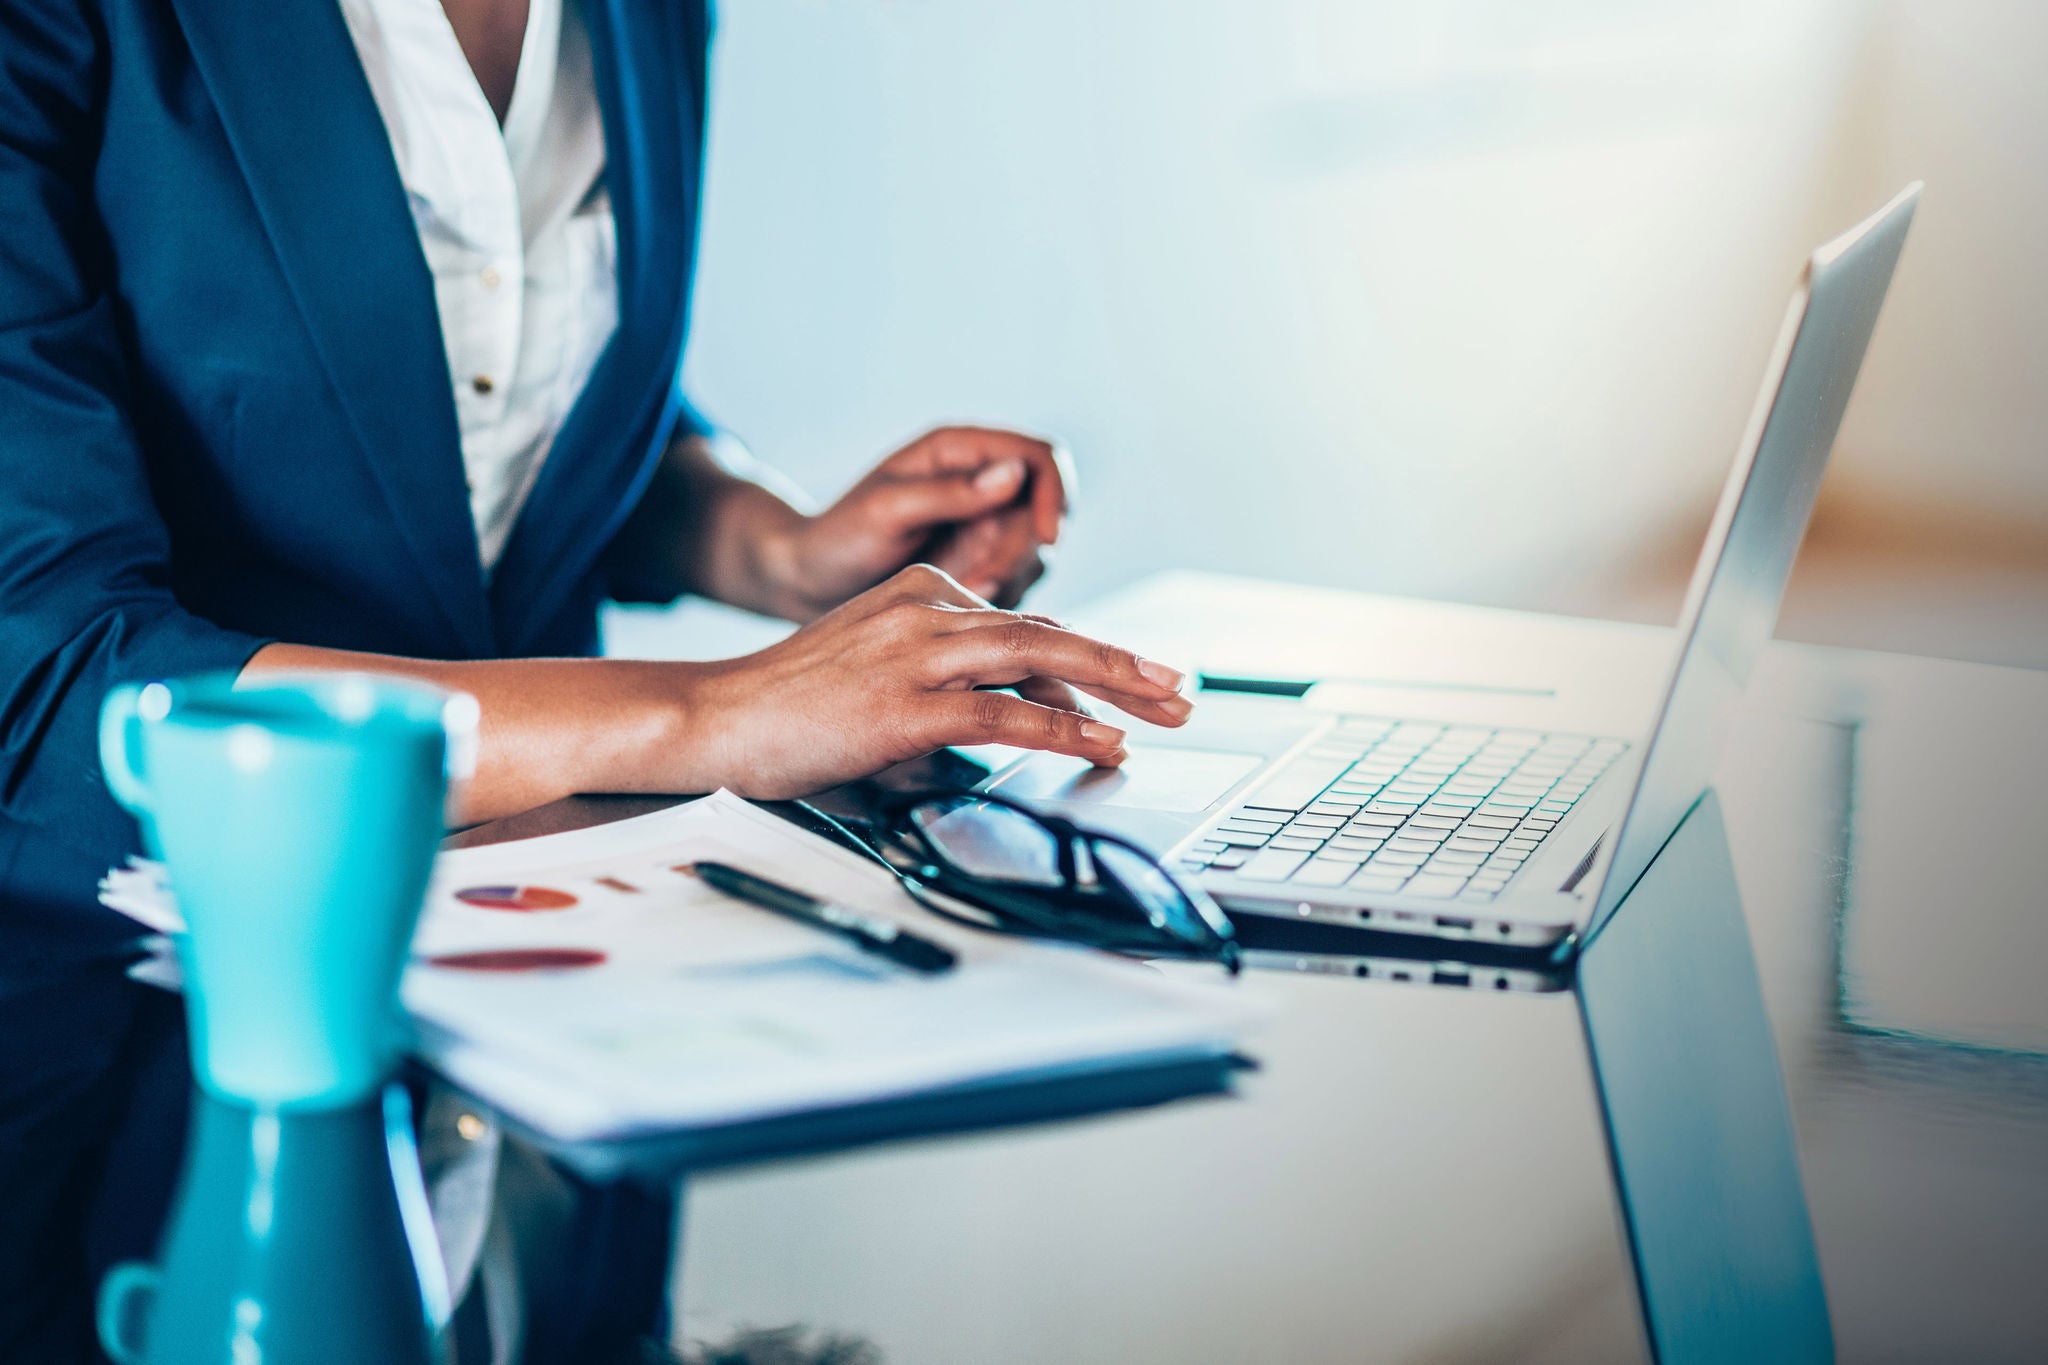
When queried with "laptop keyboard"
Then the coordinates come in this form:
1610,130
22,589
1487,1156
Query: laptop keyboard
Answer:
1443,811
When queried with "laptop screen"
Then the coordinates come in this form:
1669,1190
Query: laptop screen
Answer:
1732,605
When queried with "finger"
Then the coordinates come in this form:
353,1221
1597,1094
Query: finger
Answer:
1012,648
1053,486
1051,692
998,718
1051,468
996,555
917,503
960,448
1016,560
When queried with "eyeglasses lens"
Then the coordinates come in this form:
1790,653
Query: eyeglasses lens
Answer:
990,841
1164,904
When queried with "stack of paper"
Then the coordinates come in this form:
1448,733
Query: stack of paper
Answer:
582,984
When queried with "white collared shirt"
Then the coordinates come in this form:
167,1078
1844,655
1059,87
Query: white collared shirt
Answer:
516,226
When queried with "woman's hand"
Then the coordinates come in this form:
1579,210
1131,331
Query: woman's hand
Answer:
899,671
983,505
902,670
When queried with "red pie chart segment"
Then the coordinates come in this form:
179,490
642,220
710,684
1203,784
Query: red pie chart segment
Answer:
519,960
522,899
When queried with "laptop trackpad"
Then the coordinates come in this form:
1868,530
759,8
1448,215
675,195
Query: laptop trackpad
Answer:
1163,779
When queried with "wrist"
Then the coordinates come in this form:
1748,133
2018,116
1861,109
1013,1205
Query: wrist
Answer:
648,733
778,560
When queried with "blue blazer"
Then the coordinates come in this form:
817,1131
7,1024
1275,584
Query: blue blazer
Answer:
225,410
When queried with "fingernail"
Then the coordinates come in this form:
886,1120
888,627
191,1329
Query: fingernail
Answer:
1095,732
998,474
1160,675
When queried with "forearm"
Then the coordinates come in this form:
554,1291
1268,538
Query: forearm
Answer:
550,727
715,524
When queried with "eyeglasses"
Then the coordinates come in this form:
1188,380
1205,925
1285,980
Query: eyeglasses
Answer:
987,861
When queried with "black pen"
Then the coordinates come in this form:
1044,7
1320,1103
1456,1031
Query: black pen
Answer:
869,933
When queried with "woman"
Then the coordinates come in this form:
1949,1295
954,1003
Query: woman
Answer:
340,335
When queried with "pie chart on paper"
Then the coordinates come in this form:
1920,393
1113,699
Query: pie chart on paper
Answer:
519,899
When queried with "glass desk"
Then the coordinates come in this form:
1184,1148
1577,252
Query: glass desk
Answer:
1795,1101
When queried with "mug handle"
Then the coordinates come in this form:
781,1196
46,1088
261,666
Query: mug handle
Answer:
121,747
117,1312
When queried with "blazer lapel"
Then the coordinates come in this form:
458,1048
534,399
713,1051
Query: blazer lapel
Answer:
299,115
649,62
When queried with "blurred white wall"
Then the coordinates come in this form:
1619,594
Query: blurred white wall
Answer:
1953,407
1463,299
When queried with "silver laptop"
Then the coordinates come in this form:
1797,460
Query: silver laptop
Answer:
1499,833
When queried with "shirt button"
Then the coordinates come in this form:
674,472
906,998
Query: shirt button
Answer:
482,383
491,278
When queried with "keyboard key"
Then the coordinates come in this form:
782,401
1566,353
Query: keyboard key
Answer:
1262,813
1403,844
1323,872
1295,842
1310,821
1395,808
1475,897
1345,843
1229,858
1373,820
1241,838
1371,880
1424,820
1299,782
1434,886
1397,858
1472,844
1339,808
1484,821
1459,806
1272,865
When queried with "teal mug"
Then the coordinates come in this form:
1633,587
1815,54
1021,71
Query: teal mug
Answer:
298,819
299,1237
